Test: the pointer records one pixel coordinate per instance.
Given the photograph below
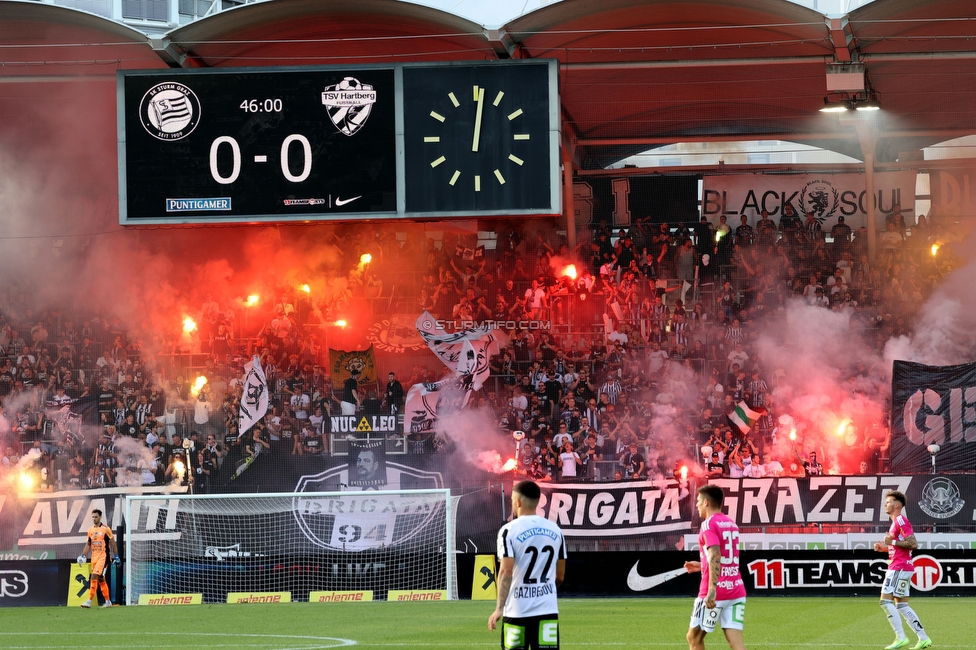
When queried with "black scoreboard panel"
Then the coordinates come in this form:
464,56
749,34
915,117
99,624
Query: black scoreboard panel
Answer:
489,151
390,141
272,145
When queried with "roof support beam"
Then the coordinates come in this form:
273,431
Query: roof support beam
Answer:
841,35
919,56
823,168
172,55
695,63
502,42
946,134
773,60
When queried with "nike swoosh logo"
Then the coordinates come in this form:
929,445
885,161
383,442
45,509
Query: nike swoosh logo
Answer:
341,202
637,582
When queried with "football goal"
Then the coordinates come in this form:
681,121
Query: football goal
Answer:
326,546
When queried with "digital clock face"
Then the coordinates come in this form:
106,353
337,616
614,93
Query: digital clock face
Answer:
264,145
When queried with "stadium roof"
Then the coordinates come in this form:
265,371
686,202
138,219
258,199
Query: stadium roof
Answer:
634,74
310,32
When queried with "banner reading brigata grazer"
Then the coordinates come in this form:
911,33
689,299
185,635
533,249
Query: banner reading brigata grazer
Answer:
855,500
933,405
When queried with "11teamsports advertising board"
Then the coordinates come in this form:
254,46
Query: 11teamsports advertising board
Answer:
338,143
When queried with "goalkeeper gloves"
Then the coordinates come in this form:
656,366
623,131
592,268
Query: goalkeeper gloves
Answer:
116,561
81,560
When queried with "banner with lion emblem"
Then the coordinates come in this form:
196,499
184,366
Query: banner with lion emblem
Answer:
343,362
828,196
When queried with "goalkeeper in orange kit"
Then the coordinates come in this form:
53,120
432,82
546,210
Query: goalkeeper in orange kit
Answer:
100,540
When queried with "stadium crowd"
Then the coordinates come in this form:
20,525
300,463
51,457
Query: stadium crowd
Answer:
626,355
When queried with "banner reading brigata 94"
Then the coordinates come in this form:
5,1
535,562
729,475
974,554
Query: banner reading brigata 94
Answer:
933,405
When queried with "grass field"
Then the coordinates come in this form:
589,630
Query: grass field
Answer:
616,624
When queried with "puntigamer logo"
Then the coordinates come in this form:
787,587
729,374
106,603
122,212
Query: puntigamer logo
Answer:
169,111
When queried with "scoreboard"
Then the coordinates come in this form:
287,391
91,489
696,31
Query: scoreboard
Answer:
338,143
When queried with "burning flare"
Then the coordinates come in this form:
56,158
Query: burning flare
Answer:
306,288
198,385
189,324
842,429
26,482
252,300
365,259
340,323
935,249
491,461
570,272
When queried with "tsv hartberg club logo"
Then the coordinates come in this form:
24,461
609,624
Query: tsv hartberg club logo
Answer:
349,104
169,111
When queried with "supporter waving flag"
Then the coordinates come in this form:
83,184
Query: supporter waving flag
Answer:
744,417
466,351
254,401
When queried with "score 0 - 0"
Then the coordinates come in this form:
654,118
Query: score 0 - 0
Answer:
261,106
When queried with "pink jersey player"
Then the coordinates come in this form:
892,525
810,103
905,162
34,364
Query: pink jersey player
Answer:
900,559
895,590
719,530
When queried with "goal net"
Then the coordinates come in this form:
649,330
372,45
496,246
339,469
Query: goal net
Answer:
326,546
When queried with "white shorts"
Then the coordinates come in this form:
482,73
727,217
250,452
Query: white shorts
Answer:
897,583
348,408
729,613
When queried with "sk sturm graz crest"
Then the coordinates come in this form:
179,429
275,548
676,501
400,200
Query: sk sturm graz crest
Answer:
169,111
941,498
349,104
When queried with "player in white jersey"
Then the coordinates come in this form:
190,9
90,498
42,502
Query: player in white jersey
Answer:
722,593
532,563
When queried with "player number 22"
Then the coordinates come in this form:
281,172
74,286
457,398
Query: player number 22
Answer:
550,553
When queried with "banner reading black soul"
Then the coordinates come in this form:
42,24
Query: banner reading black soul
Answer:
933,405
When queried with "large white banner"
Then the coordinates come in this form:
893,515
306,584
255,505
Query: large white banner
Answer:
828,196
953,192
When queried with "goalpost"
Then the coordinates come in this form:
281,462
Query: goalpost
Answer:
320,546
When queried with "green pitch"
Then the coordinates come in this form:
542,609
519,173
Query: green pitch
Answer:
615,624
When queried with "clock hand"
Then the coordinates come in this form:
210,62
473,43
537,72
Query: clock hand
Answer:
480,98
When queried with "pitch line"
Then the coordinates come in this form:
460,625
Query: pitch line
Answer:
620,644
312,642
